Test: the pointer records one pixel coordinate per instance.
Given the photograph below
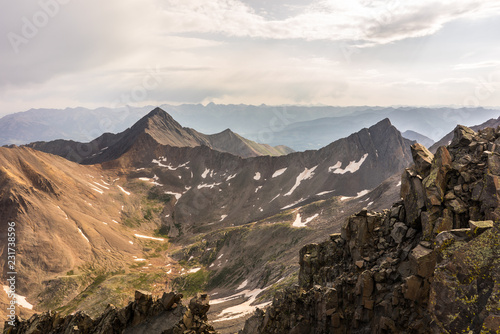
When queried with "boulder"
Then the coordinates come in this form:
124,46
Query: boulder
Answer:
462,136
494,163
491,324
478,227
398,232
412,192
422,158
422,261
435,184
169,299
199,305
489,195
411,287
143,298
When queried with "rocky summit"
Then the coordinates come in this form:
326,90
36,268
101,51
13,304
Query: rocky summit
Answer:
430,264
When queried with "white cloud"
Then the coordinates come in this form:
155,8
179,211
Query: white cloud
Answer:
358,20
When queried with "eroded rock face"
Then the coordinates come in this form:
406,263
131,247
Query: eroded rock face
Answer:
430,264
145,315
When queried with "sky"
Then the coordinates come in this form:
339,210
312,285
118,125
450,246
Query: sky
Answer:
69,53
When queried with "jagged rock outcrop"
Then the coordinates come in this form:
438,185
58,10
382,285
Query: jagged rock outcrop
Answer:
430,264
145,315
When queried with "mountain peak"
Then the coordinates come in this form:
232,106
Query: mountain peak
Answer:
385,123
157,119
159,112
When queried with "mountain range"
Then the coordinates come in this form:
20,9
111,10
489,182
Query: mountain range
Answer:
142,206
163,129
160,207
298,127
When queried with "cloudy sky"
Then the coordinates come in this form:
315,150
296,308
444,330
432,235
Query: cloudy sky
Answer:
68,53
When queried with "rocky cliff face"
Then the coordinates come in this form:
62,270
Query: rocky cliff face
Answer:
430,264
145,315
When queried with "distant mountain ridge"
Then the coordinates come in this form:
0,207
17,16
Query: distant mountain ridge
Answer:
420,138
298,127
431,122
162,128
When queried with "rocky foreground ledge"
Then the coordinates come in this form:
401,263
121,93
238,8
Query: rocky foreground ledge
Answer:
430,264
145,315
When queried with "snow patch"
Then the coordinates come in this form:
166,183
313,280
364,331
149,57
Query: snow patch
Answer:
278,172
159,163
126,192
298,220
294,203
242,309
205,185
205,173
194,270
20,300
223,217
242,285
257,176
353,166
231,177
325,192
360,194
334,167
96,189
100,185
66,216
306,174
146,237
152,181
258,188
276,197
83,235
140,260
399,184
177,195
